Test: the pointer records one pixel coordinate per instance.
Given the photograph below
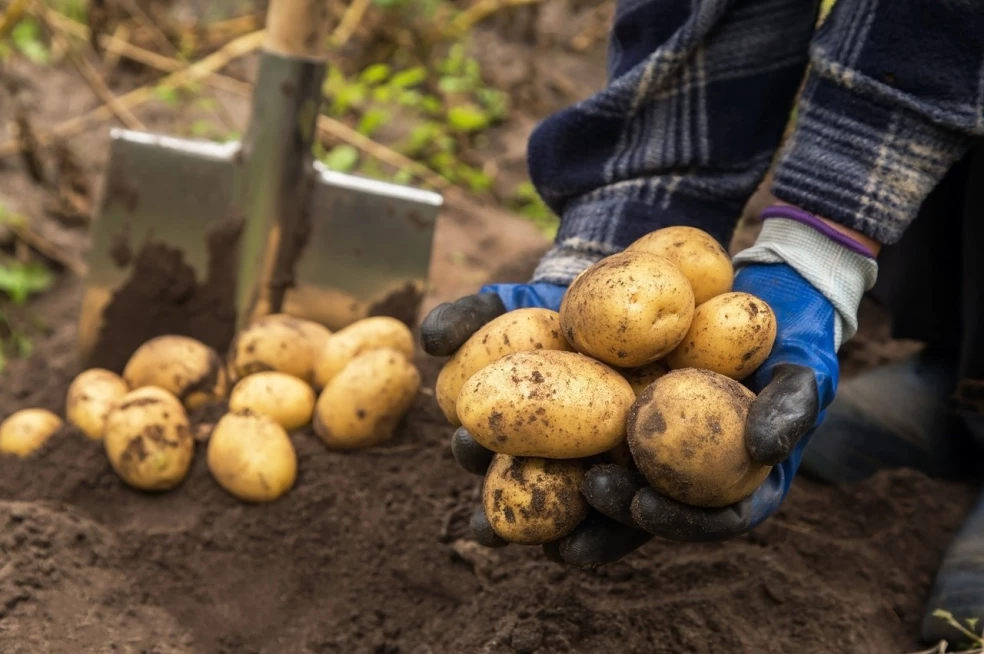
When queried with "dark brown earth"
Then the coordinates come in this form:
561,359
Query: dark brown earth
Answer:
368,554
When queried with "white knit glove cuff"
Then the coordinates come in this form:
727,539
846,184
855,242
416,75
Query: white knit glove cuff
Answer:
841,275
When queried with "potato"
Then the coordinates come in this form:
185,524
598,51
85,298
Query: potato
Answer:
687,436
515,331
187,368
363,404
148,440
251,457
26,430
695,252
285,399
366,334
531,501
731,334
640,378
546,403
90,397
628,309
277,342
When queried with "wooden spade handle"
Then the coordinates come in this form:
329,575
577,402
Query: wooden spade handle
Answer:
297,28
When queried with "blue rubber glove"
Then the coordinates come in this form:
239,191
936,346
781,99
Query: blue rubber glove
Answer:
794,385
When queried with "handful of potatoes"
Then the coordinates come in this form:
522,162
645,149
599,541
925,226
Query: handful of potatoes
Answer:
281,374
641,366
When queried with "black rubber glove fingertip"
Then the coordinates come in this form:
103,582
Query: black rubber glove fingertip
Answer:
449,325
482,530
609,489
598,541
782,414
471,456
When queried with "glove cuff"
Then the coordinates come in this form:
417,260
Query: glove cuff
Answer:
839,269
565,261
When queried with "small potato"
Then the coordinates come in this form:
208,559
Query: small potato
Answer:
687,436
701,258
363,404
643,376
90,397
361,336
532,501
26,430
189,369
148,440
628,309
731,334
515,331
285,399
251,457
277,342
545,403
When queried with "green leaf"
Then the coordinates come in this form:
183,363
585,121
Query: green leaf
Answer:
375,74
496,102
26,36
467,118
408,78
342,158
21,280
476,180
347,97
167,94
382,94
202,128
402,176
431,105
450,84
372,120
411,99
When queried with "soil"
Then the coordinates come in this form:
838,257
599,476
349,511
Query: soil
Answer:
164,296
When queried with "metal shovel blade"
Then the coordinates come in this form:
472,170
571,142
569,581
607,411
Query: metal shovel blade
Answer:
165,248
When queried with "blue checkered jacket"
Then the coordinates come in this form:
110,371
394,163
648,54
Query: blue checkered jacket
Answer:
700,93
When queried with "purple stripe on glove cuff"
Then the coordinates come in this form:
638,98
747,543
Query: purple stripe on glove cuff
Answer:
808,219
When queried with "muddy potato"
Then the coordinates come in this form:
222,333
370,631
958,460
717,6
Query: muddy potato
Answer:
187,368
515,331
148,440
641,377
90,397
277,342
285,399
687,436
26,430
531,501
361,336
546,403
695,252
731,334
628,309
251,457
363,404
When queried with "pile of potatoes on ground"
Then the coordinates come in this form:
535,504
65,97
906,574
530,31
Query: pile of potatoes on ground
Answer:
281,374
641,366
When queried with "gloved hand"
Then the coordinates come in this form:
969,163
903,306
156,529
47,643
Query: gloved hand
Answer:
443,331
794,385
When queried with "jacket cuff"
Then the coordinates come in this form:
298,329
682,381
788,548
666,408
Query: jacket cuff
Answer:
861,161
607,221
840,274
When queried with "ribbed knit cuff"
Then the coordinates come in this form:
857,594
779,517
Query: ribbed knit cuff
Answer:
841,274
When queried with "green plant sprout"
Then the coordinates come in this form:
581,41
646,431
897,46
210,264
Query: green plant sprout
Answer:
974,640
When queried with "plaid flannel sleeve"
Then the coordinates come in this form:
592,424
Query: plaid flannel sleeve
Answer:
700,92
